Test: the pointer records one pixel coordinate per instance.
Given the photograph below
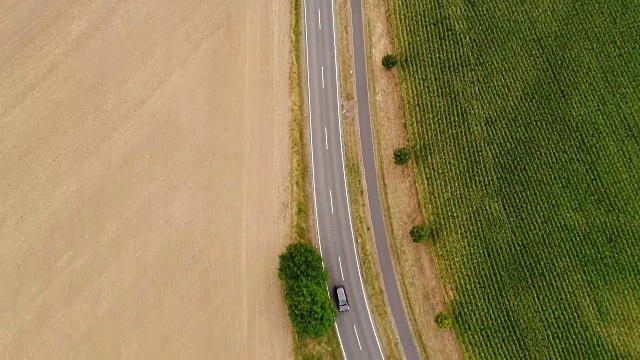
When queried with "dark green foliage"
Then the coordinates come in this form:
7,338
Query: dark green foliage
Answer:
311,310
301,263
443,320
389,61
401,156
524,118
420,233
305,283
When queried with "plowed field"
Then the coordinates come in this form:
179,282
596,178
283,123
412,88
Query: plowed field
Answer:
143,178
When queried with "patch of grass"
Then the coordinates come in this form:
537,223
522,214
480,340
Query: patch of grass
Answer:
325,348
306,348
443,320
299,164
525,121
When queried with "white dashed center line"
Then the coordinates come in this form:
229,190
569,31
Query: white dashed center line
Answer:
319,23
357,337
340,263
331,199
326,139
322,69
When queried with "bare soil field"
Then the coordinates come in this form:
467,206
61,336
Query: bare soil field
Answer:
143,178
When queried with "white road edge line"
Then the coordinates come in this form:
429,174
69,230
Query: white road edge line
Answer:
319,22
331,199
322,69
344,177
344,356
341,273
313,171
313,175
357,337
326,138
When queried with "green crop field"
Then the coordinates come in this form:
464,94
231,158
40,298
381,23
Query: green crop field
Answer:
524,116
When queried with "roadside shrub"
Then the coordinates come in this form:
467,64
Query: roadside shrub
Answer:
444,320
401,156
311,310
305,285
301,262
420,233
389,61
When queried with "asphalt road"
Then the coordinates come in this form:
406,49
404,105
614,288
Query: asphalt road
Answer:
373,192
335,234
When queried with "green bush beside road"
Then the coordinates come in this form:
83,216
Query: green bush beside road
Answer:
305,283
420,233
401,156
389,61
443,320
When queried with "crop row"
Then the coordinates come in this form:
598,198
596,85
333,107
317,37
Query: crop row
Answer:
525,121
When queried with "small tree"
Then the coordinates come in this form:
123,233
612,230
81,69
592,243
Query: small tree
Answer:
420,233
401,156
310,309
389,61
301,262
443,320
305,288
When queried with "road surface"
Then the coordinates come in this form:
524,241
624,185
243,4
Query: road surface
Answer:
373,193
335,232
335,235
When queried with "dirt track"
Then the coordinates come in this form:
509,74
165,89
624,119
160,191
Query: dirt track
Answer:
143,178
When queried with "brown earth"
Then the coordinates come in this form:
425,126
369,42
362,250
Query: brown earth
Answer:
423,294
143,178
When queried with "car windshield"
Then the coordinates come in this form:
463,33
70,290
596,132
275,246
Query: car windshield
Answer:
342,299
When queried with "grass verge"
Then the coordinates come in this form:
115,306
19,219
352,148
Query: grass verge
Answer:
422,292
327,347
371,275
387,188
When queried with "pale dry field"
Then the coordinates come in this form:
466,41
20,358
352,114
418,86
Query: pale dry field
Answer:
143,178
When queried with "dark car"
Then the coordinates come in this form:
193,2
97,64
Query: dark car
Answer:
343,303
